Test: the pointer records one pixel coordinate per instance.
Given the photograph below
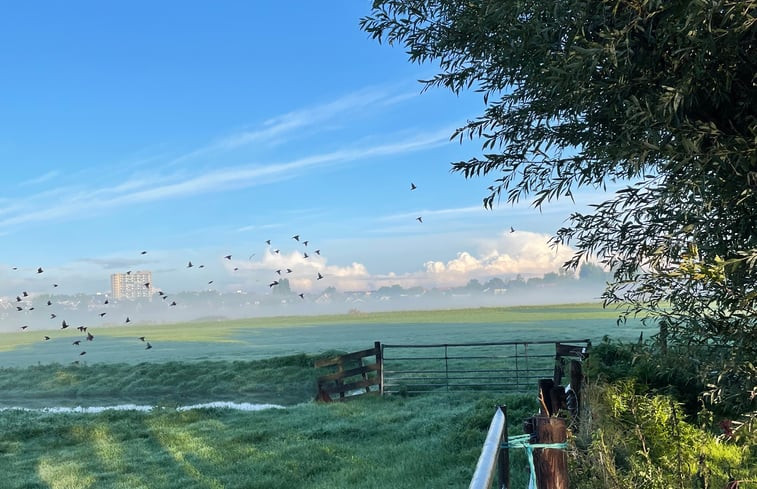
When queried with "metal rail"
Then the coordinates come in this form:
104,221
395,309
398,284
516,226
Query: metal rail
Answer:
510,365
493,456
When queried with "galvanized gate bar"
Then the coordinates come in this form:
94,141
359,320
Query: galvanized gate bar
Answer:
489,368
489,459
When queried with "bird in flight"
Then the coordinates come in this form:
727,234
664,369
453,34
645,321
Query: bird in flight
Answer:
82,353
268,241
189,265
18,298
278,271
49,303
19,308
102,314
210,282
148,346
296,237
228,257
76,343
318,252
64,324
275,282
39,270
412,186
141,338
127,320
143,253
305,242
47,338
512,229
25,294
90,337
106,301
173,303
302,295
52,316
305,255
25,326
419,219
147,284
319,276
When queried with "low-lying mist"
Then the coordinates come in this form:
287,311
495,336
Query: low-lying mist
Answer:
83,310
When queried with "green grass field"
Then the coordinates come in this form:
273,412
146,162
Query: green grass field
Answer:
424,441
396,441
259,338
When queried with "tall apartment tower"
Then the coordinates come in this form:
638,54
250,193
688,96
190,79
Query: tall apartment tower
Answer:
133,285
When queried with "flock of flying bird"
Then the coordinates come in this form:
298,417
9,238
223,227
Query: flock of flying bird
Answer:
24,296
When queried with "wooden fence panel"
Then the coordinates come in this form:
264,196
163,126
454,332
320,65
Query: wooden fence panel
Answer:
350,375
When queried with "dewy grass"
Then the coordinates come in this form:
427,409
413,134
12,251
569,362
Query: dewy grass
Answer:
283,380
372,442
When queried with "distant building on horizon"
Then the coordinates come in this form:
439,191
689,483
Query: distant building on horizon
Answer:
132,285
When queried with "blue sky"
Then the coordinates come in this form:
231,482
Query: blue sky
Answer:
194,130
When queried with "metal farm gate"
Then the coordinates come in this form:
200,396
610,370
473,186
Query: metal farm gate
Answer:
514,366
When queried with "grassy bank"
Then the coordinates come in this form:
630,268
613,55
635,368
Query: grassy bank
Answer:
283,380
371,442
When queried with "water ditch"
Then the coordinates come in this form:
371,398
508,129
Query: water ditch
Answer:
238,406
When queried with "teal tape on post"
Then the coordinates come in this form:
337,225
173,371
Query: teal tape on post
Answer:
522,441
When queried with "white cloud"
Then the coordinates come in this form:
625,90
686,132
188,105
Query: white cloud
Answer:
156,188
293,122
304,271
519,252
42,178
509,254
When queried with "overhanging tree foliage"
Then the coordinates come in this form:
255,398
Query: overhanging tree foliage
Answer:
659,96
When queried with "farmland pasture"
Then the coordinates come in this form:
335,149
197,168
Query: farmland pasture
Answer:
372,442
259,338
418,441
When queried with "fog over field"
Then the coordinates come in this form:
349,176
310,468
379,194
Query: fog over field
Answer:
95,310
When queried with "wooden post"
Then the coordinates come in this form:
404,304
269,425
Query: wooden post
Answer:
380,363
545,396
551,464
576,381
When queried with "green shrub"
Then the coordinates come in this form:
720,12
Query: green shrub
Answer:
630,440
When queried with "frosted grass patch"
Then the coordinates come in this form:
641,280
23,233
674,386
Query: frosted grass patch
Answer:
239,406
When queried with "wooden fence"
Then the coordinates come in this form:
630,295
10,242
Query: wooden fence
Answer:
350,374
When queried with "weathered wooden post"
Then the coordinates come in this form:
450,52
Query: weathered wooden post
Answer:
380,363
550,464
